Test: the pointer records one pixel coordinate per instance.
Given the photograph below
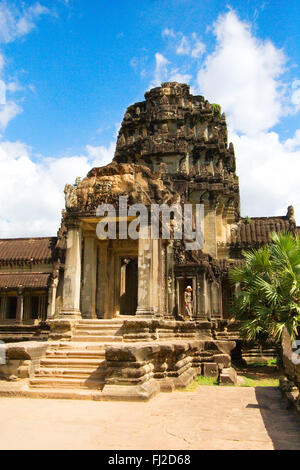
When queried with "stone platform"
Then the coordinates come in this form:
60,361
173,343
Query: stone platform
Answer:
132,359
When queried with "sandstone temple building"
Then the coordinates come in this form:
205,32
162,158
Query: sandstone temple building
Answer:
171,148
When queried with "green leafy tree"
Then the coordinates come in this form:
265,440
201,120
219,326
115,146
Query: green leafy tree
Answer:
268,294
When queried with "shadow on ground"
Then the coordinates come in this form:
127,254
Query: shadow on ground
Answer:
282,424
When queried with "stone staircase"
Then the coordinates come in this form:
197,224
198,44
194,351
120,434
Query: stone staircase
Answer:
98,330
80,363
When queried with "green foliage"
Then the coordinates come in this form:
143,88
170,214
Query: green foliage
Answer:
200,380
261,382
216,108
247,220
269,294
77,181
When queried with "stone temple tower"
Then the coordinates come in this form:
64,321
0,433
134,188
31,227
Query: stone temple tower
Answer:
185,137
119,292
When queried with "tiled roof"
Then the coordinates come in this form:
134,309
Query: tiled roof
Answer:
25,280
257,230
27,250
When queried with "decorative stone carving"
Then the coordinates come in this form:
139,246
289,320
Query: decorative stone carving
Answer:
290,216
70,197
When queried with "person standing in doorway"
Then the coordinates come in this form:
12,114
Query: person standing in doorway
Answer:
188,302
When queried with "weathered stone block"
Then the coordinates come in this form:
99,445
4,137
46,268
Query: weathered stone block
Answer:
223,360
22,358
210,369
61,328
228,376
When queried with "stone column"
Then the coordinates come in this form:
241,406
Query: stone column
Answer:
20,306
210,228
102,281
163,280
52,299
88,295
72,275
215,300
145,301
171,297
155,276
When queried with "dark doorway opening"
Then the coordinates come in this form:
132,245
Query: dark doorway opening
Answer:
11,308
34,307
129,286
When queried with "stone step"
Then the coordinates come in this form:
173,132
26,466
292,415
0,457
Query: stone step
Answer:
98,338
96,331
55,382
52,372
73,345
68,393
98,328
75,354
74,362
112,322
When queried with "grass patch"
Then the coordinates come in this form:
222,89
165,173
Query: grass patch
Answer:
249,381
200,380
260,382
269,363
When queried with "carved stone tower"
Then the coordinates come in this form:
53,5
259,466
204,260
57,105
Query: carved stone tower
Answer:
185,138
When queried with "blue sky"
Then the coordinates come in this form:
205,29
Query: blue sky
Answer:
71,68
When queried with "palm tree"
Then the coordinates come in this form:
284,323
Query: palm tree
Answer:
268,297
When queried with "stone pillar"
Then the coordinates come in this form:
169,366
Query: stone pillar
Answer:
155,275
204,297
88,295
145,300
72,275
210,228
52,299
171,297
163,279
102,281
215,300
20,307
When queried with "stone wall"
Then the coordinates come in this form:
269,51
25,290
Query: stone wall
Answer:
160,329
290,383
140,371
21,359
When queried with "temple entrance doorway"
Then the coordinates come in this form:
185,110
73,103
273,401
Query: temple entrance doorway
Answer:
129,286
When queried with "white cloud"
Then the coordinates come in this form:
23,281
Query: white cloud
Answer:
295,96
31,196
16,22
189,45
269,174
2,62
101,155
8,111
176,75
246,76
294,142
134,62
198,50
242,75
168,33
183,47
161,69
